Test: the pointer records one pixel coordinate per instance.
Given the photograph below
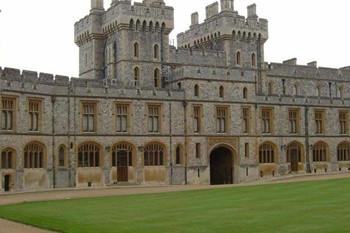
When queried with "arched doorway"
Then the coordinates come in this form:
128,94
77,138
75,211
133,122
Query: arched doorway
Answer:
221,166
122,159
7,183
294,156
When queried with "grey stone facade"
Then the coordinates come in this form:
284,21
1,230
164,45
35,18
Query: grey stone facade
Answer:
224,57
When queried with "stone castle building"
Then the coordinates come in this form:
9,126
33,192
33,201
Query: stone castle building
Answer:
211,111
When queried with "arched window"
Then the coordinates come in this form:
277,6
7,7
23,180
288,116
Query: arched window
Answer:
88,155
154,155
61,156
144,26
320,152
34,155
245,93
122,155
136,50
136,77
7,159
343,151
196,90
270,88
238,58
156,51
253,60
150,28
178,155
131,25
221,92
318,91
138,25
267,153
156,29
156,78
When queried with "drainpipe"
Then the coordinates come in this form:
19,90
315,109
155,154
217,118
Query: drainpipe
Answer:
53,100
184,104
171,144
307,143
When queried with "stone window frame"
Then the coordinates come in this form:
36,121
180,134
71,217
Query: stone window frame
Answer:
221,92
136,50
62,156
222,119
245,93
89,155
34,155
319,120
156,53
136,76
246,118
196,90
35,114
343,122
157,81
320,152
197,113
154,155
343,151
93,104
254,60
267,153
294,117
198,150
123,146
8,159
298,147
153,116
179,154
267,120
246,150
5,110
238,58
117,112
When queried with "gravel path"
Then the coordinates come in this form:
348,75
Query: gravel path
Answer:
13,227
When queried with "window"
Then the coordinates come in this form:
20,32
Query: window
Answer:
319,121
136,77
293,121
61,156
7,159
88,155
122,117
136,50
340,92
198,150
266,120
154,155
246,150
245,93
270,88
34,109
318,91
34,155
197,119
157,78
178,154
89,115
153,119
343,151
246,120
196,90
221,119
156,51
238,58
294,149
7,113
120,153
319,152
221,92
343,119
267,153
253,60
294,90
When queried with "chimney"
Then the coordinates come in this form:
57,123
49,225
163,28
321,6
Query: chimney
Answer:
252,12
212,9
292,61
96,6
312,64
194,18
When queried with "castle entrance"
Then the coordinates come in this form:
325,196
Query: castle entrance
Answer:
122,166
294,160
221,166
7,183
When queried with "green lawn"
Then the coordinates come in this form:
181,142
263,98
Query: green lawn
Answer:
315,207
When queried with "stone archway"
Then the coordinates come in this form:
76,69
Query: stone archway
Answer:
221,166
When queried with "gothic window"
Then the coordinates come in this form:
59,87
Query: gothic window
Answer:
7,159
131,25
246,150
198,150
154,118
245,93
320,152
246,120
178,154
136,77
144,26
124,151
221,119
267,153
154,155
343,151
61,156
138,25
122,117
89,117
319,121
156,51
221,92
266,120
253,60
7,113
34,115
150,26
197,119
156,29
238,58
88,155
196,90
157,78
343,119
34,155
136,50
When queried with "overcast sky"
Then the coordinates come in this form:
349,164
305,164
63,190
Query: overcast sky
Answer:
39,34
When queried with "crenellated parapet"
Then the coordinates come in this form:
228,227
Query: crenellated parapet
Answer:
226,24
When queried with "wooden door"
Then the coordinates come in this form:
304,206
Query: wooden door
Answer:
294,160
122,166
7,183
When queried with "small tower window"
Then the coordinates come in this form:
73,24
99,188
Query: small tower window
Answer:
238,58
196,90
245,93
221,92
156,78
253,60
156,51
136,50
137,77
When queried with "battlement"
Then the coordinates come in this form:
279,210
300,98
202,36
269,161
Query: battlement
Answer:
146,15
224,24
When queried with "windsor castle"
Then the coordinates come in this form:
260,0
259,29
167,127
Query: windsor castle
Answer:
209,111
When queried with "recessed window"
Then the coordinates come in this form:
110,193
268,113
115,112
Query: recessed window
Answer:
136,77
198,150
34,115
196,90
221,119
156,51
253,60
343,122
7,114
89,117
7,159
157,78
221,92
238,58
154,155
61,156
319,121
266,120
197,119
178,154
293,121
122,117
245,93
246,120
34,155
267,153
320,152
343,151
88,155
153,119
136,50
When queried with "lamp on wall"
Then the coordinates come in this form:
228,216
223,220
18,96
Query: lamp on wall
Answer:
108,148
283,147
